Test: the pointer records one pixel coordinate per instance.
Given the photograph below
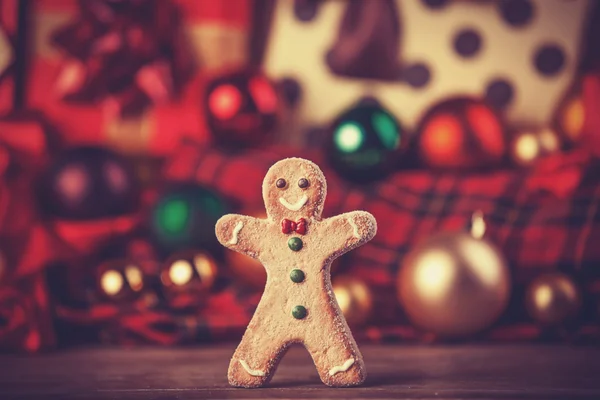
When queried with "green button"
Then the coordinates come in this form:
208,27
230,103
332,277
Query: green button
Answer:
299,312
295,244
297,276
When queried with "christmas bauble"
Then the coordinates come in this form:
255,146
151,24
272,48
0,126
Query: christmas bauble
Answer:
138,247
570,116
185,216
354,298
454,284
529,145
241,108
461,133
553,299
187,277
89,183
124,264
365,142
246,269
120,280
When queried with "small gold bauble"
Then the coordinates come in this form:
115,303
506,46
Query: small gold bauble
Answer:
454,284
354,298
187,278
553,299
193,268
570,115
120,280
527,146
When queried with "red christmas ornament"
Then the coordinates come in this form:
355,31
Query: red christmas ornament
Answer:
241,108
89,183
88,195
461,133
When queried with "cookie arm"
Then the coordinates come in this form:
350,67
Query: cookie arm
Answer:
348,231
240,233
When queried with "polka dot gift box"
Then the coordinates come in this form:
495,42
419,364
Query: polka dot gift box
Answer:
521,56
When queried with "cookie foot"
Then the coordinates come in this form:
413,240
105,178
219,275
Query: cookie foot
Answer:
350,373
242,375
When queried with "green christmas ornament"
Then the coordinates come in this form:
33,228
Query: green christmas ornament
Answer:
184,217
365,142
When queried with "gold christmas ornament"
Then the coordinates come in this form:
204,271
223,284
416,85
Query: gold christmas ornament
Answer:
570,115
354,298
527,146
187,278
120,280
455,283
190,269
553,299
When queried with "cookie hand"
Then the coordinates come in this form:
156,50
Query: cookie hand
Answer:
363,224
239,233
349,230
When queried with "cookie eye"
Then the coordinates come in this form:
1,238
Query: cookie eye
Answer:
281,183
303,183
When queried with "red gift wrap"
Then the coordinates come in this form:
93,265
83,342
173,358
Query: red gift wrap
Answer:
214,35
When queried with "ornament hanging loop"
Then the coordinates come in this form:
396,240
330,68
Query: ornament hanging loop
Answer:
478,226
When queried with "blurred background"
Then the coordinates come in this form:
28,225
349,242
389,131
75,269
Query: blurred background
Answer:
469,129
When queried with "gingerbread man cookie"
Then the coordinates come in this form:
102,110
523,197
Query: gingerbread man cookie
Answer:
296,247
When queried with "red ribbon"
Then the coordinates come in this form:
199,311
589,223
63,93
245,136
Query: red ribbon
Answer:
288,226
124,57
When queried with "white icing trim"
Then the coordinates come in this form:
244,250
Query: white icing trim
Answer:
236,230
253,372
296,206
341,368
354,227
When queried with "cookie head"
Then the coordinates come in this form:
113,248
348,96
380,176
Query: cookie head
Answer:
294,188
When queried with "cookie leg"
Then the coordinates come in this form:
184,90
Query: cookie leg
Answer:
256,358
336,355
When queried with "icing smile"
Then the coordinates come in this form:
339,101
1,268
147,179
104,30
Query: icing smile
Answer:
296,206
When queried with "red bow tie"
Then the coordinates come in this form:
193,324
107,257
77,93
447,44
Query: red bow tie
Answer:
288,226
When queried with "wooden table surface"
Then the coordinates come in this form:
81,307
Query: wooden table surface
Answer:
401,372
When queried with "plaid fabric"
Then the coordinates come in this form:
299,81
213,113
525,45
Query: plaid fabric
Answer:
223,315
536,230
25,315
